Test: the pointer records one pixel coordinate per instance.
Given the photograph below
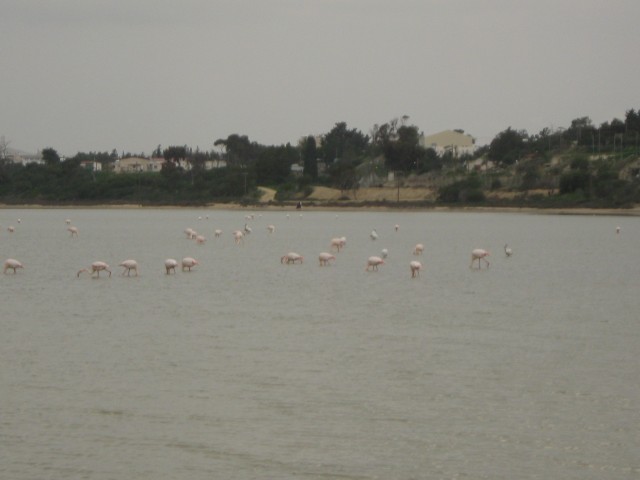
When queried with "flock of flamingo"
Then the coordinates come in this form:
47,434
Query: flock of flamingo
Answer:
130,266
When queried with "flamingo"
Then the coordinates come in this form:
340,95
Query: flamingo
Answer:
507,250
68,221
337,243
191,233
415,267
271,228
12,264
188,262
373,234
396,227
170,264
238,237
73,230
384,253
324,258
291,257
418,249
96,267
200,239
617,229
479,254
217,232
373,263
247,229
128,266
11,229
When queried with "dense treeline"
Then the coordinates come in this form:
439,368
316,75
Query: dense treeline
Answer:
595,158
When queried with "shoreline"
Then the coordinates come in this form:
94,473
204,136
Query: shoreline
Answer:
626,212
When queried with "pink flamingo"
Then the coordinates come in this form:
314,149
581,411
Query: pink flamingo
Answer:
12,264
324,258
415,267
96,267
479,254
238,237
271,228
188,262
11,229
73,230
396,227
170,264
418,249
128,266
217,233
200,239
190,233
291,257
373,263
338,243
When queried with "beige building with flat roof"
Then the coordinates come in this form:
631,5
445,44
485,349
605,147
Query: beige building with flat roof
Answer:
459,143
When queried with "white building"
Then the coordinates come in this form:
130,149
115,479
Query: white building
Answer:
456,142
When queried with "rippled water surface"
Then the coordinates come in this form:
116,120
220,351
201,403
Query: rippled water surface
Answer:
247,368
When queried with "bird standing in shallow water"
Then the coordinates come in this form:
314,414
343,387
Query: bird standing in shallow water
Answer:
96,267
12,264
507,250
415,267
479,254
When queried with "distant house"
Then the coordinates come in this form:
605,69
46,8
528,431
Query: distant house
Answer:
141,164
297,169
454,141
138,164
91,166
23,158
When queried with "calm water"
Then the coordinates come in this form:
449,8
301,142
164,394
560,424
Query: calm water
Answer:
246,368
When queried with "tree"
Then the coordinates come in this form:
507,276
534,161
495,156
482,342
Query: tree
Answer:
240,151
507,146
404,153
50,157
310,157
175,154
342,143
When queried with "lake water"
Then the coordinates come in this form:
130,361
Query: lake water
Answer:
247,368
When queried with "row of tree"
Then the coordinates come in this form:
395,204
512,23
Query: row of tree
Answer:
340,152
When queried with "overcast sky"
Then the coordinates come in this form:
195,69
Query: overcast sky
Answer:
94,75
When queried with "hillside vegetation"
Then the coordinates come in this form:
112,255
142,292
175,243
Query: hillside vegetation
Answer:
580,166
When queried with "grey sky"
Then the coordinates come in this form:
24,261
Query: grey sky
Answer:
94,75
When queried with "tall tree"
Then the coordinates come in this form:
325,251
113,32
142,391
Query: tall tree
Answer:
342,143
50,156
507,146
310,157
240,151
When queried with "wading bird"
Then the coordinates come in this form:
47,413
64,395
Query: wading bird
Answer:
507,250
373,263
12,264
128,266
170,264
324,258
188,263
479,254
291,257
96,267
415,267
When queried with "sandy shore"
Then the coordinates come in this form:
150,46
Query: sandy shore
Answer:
328,199
628,212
